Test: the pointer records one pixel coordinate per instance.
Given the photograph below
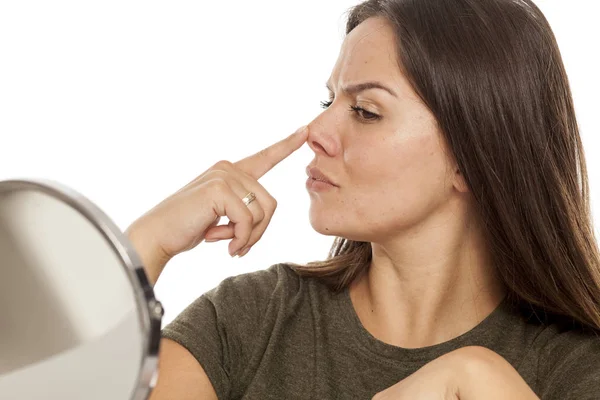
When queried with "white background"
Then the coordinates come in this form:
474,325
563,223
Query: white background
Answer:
127,101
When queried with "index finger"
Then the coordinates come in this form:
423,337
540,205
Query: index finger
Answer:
262,162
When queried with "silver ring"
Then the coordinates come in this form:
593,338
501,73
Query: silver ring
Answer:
249,198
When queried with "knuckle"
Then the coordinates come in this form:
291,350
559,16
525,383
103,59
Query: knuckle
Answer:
223,165
272,204
264,153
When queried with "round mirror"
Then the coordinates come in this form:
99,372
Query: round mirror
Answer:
78,319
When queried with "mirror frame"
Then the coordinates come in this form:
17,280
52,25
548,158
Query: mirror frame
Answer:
150,310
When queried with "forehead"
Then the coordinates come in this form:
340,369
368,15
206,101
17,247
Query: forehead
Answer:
368,53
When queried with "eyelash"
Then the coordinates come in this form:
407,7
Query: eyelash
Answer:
361,112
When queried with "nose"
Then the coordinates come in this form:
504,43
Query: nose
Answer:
323,138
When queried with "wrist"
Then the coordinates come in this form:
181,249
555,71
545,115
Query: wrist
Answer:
150,252
456,374
473,370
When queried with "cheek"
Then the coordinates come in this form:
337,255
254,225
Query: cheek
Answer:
423,163
399,176
401,162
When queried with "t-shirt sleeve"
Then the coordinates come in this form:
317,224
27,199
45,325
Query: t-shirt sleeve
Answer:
570,368
220,326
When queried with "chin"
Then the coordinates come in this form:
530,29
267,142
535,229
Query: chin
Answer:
324,223
323,227
328,225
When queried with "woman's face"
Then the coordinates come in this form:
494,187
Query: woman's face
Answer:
388,161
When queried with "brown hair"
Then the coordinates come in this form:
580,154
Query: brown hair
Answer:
492,74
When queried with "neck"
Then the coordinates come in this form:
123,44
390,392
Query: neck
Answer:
428,286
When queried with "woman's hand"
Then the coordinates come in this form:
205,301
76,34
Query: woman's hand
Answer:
436,380
183,220
468,373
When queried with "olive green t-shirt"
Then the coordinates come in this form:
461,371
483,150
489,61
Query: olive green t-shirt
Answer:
271,334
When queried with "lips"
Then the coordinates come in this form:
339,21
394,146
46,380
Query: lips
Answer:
316,174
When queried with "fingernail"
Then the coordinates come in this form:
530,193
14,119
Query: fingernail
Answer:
244,251
211,240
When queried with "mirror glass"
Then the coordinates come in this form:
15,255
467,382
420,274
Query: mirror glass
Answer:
77,317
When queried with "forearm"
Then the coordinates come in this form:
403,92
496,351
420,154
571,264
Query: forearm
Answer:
489,376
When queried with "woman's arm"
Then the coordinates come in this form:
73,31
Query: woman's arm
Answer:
180,375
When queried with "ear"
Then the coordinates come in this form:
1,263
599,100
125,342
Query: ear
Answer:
459,181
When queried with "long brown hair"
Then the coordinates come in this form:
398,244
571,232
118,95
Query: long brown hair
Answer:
492,74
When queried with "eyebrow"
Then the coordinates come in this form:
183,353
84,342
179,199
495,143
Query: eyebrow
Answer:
360,87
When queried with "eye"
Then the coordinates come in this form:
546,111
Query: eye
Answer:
359,111
364,114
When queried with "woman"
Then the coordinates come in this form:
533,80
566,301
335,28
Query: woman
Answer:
449,167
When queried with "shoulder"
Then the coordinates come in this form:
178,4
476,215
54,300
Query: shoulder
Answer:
241,302
568,363
257,285
247,298
558,341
